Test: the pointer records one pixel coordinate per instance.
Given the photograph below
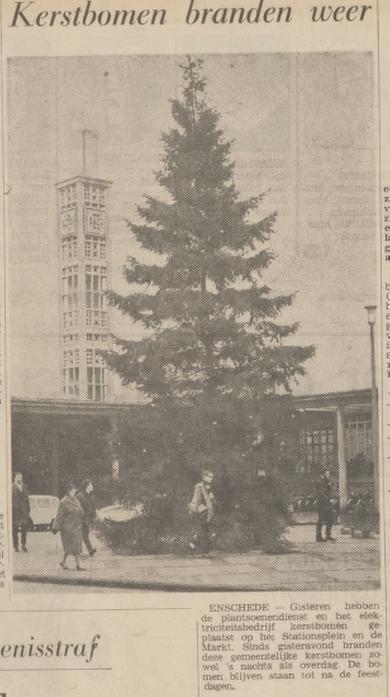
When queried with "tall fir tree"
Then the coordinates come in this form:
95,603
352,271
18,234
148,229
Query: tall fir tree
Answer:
213,349
211,320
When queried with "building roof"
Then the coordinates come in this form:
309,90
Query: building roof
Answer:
86,178
316,402
332,400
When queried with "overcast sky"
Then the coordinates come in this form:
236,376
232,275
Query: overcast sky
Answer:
303,129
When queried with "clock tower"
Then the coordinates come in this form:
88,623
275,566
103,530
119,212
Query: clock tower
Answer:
82,230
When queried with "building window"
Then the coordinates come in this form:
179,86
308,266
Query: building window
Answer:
70,297
96,318
94,196
69,288
96,376
358,437
317,448
95,283
97,338
101,197
69,248
70,338
71,358
95,247
71,381
96,387
68,196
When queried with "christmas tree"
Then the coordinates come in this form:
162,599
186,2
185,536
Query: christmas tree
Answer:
212,343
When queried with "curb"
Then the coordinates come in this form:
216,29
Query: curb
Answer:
145,585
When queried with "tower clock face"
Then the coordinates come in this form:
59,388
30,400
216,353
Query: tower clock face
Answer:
95,222
68,222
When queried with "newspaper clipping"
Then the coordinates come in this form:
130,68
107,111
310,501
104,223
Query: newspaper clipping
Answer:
194,348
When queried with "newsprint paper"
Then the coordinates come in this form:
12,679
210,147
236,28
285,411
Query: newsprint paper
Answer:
195,348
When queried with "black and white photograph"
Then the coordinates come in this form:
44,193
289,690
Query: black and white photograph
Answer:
192,317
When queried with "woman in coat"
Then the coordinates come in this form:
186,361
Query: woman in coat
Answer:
69,522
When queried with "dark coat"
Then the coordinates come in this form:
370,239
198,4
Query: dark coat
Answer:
69,522
88,504
20,506
323,493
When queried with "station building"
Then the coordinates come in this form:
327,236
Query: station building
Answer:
54,440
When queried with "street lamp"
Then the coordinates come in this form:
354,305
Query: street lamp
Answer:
371,314
371,317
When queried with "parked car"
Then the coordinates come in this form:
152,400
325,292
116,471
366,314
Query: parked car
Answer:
43,510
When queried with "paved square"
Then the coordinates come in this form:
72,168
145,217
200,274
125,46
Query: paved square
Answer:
347,564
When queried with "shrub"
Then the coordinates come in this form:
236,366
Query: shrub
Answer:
250,515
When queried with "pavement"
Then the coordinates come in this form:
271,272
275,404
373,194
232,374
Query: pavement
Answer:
347,564
34,587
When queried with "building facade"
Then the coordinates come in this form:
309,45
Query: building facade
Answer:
328,431
82,230
54,440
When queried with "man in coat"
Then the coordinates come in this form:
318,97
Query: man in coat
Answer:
20,512
87,501
324,508
202,506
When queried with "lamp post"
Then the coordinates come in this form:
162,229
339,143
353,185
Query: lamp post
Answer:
371,316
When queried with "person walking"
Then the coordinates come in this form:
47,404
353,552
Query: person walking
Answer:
202,506
324,508
87,501
69,522
20,512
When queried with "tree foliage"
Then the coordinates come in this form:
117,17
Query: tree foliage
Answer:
214,349
212,322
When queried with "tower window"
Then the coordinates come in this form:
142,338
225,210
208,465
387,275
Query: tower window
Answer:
71,377
96,318
94,196
96,376
70,296
69,248
96,387
95,283
68,196
95,247
71,358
